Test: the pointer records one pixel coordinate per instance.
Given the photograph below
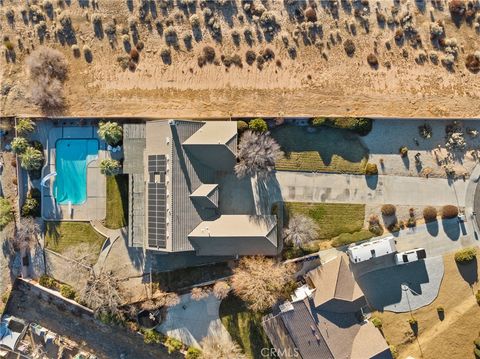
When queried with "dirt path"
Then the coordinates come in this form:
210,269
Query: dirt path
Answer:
433,332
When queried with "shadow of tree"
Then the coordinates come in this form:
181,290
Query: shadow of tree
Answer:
432,228
469,271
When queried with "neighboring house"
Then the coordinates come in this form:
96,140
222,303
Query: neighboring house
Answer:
327,322
174,198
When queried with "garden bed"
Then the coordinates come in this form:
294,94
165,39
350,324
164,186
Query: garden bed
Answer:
338,224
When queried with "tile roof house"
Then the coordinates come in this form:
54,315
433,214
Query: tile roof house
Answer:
326,324
174,197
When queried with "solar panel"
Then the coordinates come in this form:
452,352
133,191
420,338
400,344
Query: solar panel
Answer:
157,201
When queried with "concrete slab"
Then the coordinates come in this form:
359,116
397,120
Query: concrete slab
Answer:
191,321
383,288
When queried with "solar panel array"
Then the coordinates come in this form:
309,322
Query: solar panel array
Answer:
157,201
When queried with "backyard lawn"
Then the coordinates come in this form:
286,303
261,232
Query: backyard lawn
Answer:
325,150
338,223
244,326
450,336
117,202
73,239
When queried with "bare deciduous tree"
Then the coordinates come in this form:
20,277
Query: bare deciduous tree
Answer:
102,294
161,299
260,281
26,234
199,293
221,290
48,70
301,229
257,154
221,347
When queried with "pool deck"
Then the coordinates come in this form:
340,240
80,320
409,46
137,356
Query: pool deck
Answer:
94,207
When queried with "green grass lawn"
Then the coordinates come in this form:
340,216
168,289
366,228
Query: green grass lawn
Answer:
117,202
338,223
63,237
326,150
244,326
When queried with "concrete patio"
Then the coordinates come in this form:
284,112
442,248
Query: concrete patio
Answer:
191,321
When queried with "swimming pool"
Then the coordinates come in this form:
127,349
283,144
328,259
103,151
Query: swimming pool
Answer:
72,158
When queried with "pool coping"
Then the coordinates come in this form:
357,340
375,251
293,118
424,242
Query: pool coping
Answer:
92,204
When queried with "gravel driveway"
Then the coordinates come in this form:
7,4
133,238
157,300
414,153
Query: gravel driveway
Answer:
383,287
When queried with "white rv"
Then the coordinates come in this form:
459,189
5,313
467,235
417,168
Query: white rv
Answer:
372,249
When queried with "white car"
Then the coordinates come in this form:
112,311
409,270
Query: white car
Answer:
410,256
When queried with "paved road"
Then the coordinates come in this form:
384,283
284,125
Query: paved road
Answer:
344,188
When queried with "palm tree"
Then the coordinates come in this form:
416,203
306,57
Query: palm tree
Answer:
24,126
109,167
19,145
32,159
257,154
110,132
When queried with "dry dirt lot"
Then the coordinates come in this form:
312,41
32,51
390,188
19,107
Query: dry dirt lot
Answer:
311,75
451,337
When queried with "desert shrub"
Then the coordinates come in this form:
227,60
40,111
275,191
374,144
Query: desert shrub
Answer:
430,214
319,121
152,337
24,126
134,55
372,60
194,20
260,62
477,297
403,151
48,70
31,159
19,145
440,309
31,207
109,167
268,54
425,131
456,7
377,322
374,225
166,55
209,53
48,282
311,14
398,34
76,50
371,169
448,60
349,47
6,212
465,255
267,19
472,62
173,344
250,57
393,351
241,126
449,211
388,210
413,321
67,291
221,290
258,125
193,353
411,222
359,125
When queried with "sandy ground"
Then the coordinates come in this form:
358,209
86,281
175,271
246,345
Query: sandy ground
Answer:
451,337
320,80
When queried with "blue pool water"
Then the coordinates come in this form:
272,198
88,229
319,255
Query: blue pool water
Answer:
72,158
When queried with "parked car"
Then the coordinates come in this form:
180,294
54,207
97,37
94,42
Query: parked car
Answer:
410,256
